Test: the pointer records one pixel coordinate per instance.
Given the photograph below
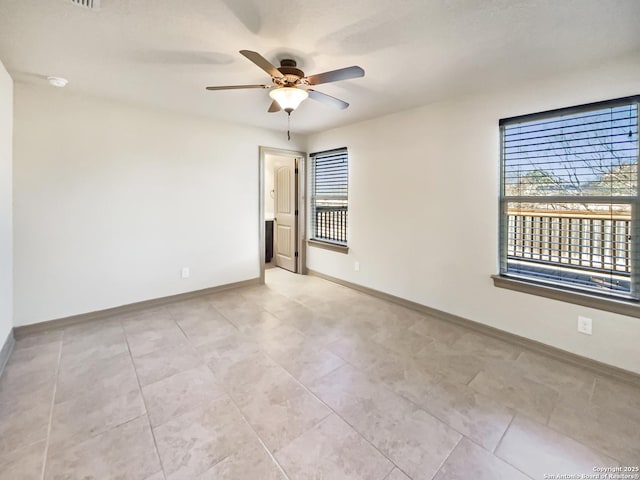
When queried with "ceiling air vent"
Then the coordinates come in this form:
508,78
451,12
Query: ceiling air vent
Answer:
90,4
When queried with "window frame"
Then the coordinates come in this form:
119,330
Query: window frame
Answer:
625,304
314,239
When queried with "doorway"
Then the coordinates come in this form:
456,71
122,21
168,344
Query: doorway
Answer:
282,219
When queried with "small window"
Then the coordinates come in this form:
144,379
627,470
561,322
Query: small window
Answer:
569,198
329,197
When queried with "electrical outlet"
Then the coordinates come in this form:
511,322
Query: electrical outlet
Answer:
356,266
185,272
585,325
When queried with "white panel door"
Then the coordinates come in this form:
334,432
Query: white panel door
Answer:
285,216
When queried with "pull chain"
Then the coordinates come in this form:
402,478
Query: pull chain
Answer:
289,126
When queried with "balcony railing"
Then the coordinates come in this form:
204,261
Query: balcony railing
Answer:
586,242
331,223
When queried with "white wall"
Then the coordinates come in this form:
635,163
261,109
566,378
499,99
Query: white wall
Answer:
423,212
6,222
112,200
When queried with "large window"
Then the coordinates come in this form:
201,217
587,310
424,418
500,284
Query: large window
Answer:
329,198
570,208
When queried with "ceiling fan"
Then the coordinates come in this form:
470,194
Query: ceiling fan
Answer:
290,85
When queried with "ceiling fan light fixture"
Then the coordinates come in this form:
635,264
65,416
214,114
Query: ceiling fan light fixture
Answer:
289,98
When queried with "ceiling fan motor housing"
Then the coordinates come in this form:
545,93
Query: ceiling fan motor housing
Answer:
288,68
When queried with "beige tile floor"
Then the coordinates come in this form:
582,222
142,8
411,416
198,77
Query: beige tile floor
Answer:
301,379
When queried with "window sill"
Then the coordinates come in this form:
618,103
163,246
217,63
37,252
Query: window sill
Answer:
328,246
620,306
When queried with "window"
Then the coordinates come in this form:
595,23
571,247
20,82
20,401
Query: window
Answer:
329,209
569,204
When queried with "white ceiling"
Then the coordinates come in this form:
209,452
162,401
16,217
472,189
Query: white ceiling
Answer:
164,52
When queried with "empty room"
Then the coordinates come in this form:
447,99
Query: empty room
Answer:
288,240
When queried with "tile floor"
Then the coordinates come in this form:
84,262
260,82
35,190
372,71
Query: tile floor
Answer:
301,379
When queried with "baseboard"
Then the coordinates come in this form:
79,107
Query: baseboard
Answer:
129,308
595,366
5,351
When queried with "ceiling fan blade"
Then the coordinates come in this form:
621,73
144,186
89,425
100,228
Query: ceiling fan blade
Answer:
237,87
328,99
263,63
336,75
275,107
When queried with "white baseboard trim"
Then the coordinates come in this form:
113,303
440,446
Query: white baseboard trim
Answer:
129,308
595,366
5,351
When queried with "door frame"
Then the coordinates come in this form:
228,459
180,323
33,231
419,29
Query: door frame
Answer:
301,158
